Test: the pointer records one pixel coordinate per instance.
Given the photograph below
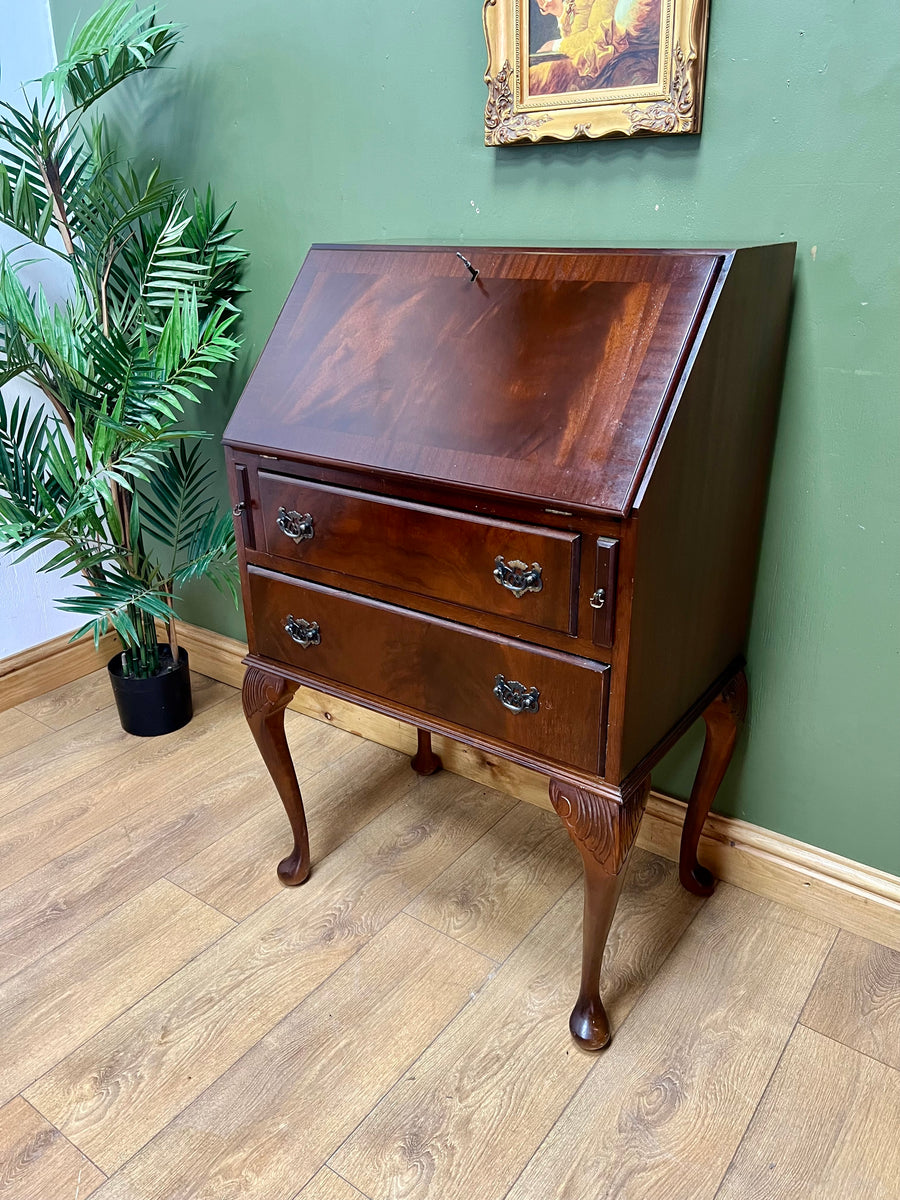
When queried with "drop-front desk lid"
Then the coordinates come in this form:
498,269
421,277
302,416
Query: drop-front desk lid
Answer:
548,376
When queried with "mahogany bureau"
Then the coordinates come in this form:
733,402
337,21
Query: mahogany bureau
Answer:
518,502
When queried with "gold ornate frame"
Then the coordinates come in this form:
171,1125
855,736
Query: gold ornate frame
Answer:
672,105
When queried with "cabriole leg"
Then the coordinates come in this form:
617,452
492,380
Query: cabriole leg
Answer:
603,826
265,698
723,717
425,761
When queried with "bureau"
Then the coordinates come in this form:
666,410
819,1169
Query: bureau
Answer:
516,498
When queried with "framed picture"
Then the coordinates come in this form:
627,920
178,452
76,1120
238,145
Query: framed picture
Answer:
569,69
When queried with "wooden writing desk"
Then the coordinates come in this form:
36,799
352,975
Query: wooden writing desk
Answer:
521,509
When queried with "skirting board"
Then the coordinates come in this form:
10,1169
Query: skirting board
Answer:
825,885
41,668
858,898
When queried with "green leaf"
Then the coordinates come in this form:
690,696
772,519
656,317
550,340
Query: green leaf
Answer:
111,45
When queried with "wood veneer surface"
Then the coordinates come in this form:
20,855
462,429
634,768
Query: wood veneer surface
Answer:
528,380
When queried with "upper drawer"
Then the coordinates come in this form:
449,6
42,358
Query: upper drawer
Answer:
493,566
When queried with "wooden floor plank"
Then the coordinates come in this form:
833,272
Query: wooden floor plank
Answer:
76,700
465,1120
18,730
274,1117
241,1072
325,1185
180,814
496,892
81,749
237,873
662,1112
38,1163
829,1126
117,1091
76,810
64,818
50,1008
856,999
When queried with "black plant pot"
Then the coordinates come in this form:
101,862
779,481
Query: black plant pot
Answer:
160,704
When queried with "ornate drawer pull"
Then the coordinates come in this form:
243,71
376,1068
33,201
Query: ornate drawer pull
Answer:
517,577
598,599
516,696
296,525
304,633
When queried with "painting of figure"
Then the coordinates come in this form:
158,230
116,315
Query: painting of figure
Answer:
592,45
573,70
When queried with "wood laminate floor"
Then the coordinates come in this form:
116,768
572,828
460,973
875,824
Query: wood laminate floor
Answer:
174,1024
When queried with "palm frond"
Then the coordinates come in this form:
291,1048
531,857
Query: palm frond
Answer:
178,497
23,458
170,265
110,602
111,45
104,478
212,554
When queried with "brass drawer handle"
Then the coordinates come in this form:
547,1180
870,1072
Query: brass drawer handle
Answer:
516,696
517,577
304,633
298,526
598,599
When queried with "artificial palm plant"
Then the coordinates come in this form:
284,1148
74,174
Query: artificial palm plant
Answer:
103,471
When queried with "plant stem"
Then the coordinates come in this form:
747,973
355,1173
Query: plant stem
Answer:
152,643
50,173
171,626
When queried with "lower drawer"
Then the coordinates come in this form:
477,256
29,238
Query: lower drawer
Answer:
549,704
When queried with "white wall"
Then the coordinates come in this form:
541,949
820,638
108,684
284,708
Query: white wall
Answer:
27,616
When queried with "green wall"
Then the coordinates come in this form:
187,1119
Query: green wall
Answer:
363,121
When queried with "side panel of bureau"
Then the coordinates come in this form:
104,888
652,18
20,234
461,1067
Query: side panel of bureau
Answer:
701,507
434,667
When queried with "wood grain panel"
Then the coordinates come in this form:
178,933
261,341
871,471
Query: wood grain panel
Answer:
18,730
271,1120
856,999
497,891
827,1127
119,1089
668,1106
699,519
436,668
72,702
427,552
466,1119
51,1007
236,874
37,1162
431,379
